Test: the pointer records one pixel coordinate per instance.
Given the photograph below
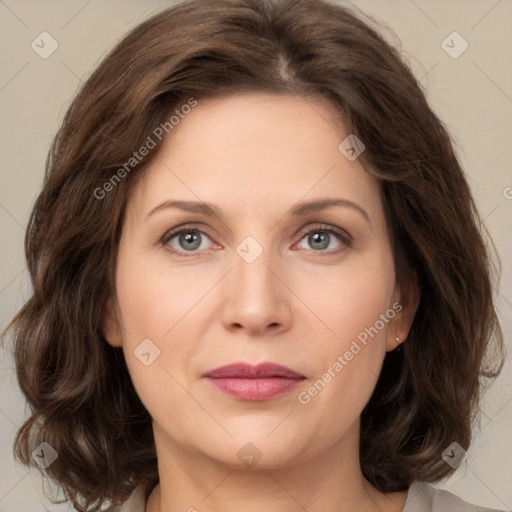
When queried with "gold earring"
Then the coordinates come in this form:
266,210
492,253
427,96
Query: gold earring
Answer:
397,340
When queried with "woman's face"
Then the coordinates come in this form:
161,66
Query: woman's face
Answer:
264,279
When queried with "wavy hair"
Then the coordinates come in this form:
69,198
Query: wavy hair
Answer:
81,398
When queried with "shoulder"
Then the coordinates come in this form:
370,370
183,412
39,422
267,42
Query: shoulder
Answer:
422,497
135,503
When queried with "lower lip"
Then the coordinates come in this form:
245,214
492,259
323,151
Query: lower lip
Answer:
255,389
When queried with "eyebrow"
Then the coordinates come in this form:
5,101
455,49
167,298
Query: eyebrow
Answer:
308,207
299,210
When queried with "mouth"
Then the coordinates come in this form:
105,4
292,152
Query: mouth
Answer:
254,383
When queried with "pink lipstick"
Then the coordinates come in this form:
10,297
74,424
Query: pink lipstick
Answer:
256,383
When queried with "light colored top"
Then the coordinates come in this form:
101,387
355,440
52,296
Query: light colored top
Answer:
421,497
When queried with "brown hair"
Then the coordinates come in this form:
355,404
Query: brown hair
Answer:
80,394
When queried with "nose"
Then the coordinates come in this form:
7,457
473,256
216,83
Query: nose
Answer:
257,299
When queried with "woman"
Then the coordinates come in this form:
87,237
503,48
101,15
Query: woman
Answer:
320,345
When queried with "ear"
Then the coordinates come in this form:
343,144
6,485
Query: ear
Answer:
405,303
110,326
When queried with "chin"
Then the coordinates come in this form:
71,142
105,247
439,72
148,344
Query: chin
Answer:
256,450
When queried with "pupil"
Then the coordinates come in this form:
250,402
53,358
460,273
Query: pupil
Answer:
321,238
190,238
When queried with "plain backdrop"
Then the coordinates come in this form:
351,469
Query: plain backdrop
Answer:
471,93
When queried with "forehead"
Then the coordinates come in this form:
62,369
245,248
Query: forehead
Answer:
256,151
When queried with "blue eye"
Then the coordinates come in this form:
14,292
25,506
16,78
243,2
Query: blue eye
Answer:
188,239
321,238
192,240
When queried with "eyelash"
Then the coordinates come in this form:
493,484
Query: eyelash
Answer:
344,237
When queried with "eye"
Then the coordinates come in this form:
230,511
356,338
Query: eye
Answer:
186,239
190,239
324,237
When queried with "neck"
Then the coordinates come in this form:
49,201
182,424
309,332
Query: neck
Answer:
331,482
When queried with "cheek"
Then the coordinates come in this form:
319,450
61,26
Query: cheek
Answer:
349,299
355,305
159,308
154,298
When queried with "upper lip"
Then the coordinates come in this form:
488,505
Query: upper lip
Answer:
247,371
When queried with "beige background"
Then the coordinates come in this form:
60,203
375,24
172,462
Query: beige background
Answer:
472,94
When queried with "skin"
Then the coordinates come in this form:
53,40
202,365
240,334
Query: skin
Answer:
255,156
